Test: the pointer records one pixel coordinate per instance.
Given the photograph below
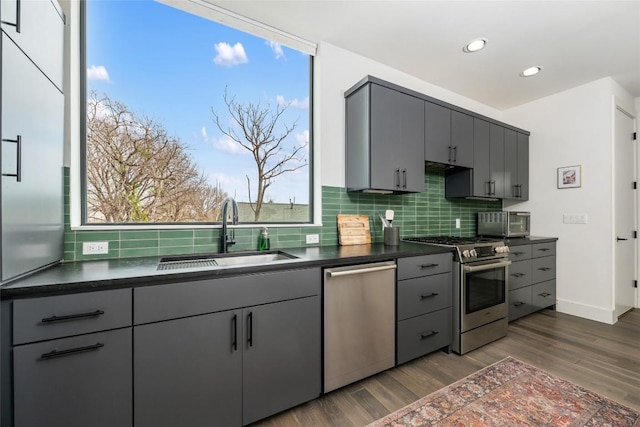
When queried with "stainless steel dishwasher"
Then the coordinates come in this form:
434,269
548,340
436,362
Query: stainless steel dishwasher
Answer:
359,322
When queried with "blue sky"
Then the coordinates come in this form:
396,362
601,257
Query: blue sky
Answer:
173,67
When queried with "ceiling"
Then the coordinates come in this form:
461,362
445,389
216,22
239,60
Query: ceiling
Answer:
574,41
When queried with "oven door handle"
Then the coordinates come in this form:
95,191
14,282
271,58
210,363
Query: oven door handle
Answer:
472,269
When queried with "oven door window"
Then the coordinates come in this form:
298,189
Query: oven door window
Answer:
484,289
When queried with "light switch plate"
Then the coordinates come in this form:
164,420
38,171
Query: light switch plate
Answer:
457,222
574,218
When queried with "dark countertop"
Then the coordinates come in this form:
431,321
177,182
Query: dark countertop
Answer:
127,272
518,241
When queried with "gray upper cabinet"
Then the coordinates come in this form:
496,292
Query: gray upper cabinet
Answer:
516,176
462,139
32,163
488,171
448,136
384,140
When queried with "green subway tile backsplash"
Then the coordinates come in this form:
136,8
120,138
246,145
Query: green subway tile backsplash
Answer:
426,213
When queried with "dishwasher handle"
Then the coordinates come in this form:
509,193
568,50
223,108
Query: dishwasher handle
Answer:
361,271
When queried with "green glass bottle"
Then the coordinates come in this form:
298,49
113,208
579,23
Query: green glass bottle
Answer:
263,241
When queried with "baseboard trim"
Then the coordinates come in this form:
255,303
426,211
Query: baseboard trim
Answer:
590,312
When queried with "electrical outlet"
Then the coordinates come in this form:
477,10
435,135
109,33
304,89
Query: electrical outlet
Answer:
457,222
313,238
95,248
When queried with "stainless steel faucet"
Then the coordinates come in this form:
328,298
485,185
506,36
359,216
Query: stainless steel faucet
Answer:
227,240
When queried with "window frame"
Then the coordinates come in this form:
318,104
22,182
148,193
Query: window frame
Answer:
79,217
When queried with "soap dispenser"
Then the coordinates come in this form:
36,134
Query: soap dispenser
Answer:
263,240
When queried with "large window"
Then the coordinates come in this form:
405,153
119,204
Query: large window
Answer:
183,112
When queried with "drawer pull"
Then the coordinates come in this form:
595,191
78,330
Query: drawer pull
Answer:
424,266
517,253
544,294
518,304
424,335
544,268
544,249
54,319
431,295
56,353
518,274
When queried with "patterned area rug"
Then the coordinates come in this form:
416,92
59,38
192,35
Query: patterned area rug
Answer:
511,393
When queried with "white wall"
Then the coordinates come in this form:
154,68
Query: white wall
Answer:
575,127
337,70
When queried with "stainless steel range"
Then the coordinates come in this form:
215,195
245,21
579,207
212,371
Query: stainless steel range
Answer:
480,277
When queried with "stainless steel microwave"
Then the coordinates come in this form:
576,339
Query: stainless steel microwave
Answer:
504,224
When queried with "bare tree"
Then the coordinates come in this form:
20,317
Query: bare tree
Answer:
258,134
137,173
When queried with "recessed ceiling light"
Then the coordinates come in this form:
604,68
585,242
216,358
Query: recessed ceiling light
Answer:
475,45
531,71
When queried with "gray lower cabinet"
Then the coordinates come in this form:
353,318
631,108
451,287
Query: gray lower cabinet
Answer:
532,284
74,382
230,352
71,358
424,305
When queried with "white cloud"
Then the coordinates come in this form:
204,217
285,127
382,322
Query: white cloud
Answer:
276,48
224,143
295,103
303,139
229,56
97,72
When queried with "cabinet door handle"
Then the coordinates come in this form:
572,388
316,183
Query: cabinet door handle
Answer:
455,154
234,332
450,158
18,174
544,294
396,181
404,178
431,295
54,319
493,188
487,187
424,335
60,353
620,238
544,269
518,304
425,266
250,329
17,24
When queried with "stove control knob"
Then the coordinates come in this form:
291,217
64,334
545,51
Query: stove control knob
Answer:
465,253
473,253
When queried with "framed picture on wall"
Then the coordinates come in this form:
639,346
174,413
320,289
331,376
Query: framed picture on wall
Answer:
570,176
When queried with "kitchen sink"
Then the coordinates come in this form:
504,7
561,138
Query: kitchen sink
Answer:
222,260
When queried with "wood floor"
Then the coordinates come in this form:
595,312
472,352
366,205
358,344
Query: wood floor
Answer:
603,358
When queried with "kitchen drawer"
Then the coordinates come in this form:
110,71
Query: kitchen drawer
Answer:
423,295
424,265
520,303
520,274
543,294
88,382
543,269
163,302
517,253
543,249
46,318
423,334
